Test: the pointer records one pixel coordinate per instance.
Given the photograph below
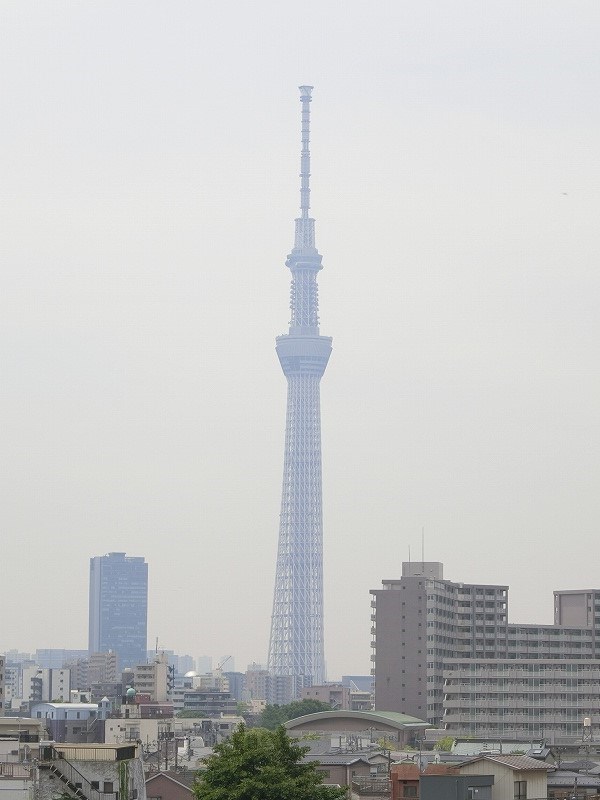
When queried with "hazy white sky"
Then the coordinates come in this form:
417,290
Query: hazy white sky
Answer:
150,158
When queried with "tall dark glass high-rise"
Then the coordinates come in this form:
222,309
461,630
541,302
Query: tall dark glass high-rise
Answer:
119,607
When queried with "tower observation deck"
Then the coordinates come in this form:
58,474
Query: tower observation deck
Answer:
296,644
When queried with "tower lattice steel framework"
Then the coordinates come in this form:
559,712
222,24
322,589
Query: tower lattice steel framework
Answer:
296,644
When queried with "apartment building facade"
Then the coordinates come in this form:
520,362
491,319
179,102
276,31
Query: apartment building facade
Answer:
433,639
545,698
421,621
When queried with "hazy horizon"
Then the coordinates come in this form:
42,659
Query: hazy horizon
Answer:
150,185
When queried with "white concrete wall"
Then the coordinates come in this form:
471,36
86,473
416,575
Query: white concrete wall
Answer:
14,788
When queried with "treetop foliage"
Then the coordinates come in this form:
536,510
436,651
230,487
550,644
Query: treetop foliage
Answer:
274,716
444,744
256,764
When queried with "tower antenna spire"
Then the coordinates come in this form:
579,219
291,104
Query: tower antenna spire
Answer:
305,99
305,226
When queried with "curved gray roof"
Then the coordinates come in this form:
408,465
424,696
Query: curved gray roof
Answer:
371,718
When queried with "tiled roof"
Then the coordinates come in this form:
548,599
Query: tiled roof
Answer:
405,772
340,759
564,778
179,780
520,763
440,769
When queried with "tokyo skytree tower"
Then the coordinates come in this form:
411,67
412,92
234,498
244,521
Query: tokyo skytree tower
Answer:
296,645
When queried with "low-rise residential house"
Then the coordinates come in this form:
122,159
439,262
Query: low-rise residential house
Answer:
168,786
515,777
566,784
404,779
341,768
452,786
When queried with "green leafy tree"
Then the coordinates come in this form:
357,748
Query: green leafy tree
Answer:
444,744
274,716
242,708
191,715
387,744
256,764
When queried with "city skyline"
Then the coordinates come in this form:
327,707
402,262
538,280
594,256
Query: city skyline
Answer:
146,200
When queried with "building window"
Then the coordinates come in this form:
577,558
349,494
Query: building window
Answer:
520,790
409,791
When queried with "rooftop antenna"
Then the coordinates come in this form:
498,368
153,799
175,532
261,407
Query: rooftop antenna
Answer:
423,548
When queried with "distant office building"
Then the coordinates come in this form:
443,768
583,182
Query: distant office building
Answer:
42,685
119,607
79,674
2,694
185,664
204,664
180,664
54,658
102,668
335,694
237,684
209,703
260,684
14,657
12,683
